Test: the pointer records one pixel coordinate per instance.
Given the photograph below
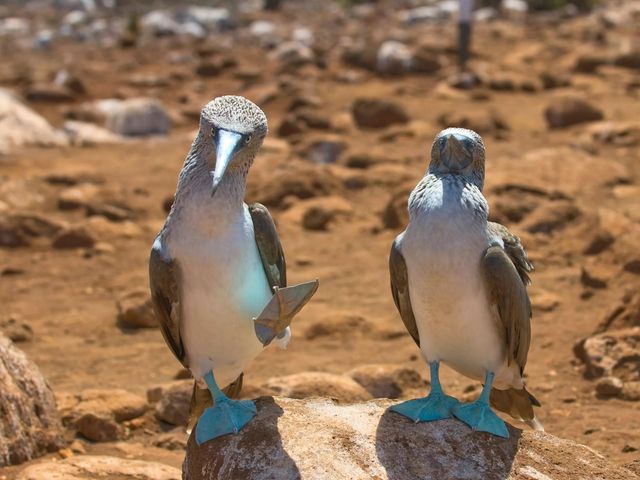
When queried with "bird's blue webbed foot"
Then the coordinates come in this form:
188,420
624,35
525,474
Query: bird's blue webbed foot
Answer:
226,416
436,406
479,416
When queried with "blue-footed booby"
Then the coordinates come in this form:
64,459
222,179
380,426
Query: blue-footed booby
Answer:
459,282
217,270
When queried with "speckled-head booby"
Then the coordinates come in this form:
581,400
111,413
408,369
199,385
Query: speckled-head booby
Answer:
459,283
217,270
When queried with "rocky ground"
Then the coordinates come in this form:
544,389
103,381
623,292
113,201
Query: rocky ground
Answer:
97,112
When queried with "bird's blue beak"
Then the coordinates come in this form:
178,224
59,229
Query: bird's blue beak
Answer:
454,153
227,146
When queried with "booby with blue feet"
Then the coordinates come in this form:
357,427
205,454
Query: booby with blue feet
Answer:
217,270
459,283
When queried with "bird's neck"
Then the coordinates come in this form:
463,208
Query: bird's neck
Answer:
197,208
448,195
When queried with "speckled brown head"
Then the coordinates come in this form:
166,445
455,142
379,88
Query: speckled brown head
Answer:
458,151
232,129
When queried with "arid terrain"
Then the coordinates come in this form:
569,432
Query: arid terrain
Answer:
556,97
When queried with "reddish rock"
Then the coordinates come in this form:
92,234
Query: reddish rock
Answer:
377,113
567,111
317,384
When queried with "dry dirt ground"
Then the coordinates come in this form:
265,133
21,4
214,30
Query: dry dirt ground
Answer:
68,296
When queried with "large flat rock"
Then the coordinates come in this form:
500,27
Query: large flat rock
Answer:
319,439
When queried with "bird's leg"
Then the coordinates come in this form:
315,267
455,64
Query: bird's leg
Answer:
479,416
226,415
436,406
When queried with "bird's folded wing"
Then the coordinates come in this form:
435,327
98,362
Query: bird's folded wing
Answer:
513,248
400,290
283,306
508,293
165,296
269,246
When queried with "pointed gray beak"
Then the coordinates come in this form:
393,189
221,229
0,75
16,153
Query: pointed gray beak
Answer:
227,146
454,154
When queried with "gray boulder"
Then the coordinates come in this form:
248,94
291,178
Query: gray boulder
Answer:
29,422
317,438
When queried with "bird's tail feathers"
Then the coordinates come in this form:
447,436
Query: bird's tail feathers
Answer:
518,403
201,399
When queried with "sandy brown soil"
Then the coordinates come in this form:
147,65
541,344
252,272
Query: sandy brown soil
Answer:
68,297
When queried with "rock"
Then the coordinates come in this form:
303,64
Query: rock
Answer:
611,354
633,266
387,381
99,427
175,401
629,59
11,235
363,160
115,211
313,119
590,62
99,411
362,55
292,54
317,384
98,414
136,117
73,237
318,217
312,439
30,424
162,23
618,134
21,126
421,15
395,214
552,79
338,325
302,181
318,213
484,122
425,61
175,440
72,83
324,152
623,315
376,113
208,68
48,93
84,134
567,111
87,466
77,196
213,19
631,391
551,217
598,241
609,387
18,230
393,58
544,300
290,125
16,329
594,276
558,173
135,310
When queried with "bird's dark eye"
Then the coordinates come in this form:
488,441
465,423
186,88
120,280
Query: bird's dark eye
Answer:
247,138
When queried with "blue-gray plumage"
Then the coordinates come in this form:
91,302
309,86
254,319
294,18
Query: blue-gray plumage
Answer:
459,282
216,263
